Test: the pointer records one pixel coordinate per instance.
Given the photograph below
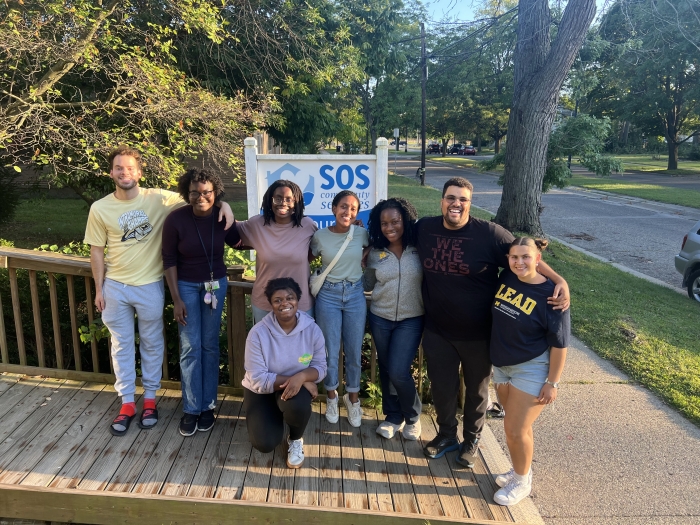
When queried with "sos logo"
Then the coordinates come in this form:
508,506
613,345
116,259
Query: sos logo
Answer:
345,177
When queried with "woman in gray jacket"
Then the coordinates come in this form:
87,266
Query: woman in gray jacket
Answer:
394,274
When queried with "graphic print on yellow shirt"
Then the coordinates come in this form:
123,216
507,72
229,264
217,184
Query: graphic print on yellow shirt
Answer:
132,231
135,225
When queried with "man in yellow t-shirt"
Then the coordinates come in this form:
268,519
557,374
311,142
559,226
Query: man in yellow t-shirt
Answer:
129,279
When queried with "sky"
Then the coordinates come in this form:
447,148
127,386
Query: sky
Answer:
463,10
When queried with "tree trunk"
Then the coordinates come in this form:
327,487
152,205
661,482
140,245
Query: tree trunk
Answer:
478,143
672,155
625,132
497,146
539,74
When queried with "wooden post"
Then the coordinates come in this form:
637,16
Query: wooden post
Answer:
91,319
3,338
166,372
70,282
56,322
420,370
14,292
237,334
36,308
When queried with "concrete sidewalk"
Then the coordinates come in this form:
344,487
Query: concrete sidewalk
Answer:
609,452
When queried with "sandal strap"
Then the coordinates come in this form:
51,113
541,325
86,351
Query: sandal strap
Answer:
122,418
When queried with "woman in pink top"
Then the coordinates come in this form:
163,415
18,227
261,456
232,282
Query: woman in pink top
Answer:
281,238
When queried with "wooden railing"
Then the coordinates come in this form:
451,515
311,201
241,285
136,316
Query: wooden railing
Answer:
67,361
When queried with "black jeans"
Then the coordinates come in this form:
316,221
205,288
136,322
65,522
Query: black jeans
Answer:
266,415
443,357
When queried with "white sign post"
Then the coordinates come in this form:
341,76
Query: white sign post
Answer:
320,178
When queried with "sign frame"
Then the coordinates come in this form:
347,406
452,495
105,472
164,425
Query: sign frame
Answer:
256,182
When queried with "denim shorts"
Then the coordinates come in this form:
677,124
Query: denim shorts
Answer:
528,376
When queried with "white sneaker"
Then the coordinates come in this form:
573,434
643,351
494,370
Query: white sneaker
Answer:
503,479
332,409
354,411
295,455
514,492
412,432
388,430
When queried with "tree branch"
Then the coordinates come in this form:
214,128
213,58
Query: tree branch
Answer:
59,69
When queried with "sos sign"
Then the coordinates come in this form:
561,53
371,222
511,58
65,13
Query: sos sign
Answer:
321,178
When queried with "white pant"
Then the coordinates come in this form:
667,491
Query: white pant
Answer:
146,302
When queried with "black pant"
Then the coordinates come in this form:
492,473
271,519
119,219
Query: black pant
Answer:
267,413
443,357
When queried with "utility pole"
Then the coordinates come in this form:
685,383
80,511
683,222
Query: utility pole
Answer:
424,78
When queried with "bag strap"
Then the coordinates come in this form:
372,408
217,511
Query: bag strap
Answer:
348,238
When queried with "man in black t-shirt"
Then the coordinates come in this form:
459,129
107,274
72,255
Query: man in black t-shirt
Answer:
461,257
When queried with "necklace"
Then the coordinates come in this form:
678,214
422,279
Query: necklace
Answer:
209,297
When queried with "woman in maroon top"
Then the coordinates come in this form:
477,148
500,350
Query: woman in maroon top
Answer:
193,258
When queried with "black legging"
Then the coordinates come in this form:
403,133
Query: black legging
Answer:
267,413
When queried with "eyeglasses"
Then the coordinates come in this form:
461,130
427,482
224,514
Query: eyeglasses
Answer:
279,200
452,199
196,194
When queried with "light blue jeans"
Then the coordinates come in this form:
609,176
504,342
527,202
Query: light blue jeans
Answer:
528,377
199,347
341,311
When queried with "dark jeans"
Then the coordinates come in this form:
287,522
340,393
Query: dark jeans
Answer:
397,343
267,413
443,357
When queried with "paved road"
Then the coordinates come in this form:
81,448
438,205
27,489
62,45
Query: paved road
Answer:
639,234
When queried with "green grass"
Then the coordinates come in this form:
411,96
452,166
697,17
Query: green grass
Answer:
657,164
681,197
425,199
648,331
456,161
46,221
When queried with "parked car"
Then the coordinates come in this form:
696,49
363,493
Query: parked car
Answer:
468,150
401,142
688,262
455,149
434,148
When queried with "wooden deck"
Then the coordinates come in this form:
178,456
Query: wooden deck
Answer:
59,462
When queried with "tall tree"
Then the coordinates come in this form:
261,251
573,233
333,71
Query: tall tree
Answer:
656,71
541,66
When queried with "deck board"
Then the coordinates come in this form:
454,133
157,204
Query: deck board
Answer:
421,478
306,483
19,461
147,441
352,464
158,466
330,491
56,458
186,463
236,463
399,477
64,443
378,490
210,466
445,485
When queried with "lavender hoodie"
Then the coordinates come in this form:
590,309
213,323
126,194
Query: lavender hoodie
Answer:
270,351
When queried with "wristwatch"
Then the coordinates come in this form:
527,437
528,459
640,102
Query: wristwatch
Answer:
554,384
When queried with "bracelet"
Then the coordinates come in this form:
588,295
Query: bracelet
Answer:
553,384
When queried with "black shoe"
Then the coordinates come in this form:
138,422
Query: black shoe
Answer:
206,420
439,446
188,424
468,451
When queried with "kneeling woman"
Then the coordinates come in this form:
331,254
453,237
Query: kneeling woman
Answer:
528,350
285,357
